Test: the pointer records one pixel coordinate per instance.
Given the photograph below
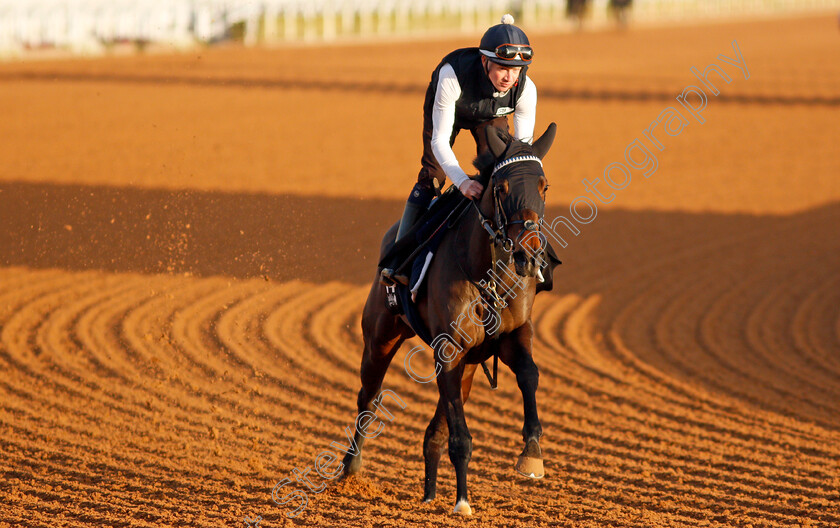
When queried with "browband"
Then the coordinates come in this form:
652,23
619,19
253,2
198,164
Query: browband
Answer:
515,159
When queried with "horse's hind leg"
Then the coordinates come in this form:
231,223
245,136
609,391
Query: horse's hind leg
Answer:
433,443
383,335
460,441
437,435
515,352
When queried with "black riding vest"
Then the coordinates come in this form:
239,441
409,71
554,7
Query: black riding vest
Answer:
477,103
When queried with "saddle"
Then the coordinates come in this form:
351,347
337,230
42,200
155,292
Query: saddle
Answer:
440,211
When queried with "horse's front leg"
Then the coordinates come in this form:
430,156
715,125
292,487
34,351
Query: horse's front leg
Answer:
437,434
460,441
515,352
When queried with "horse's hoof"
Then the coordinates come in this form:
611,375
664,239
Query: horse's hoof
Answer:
352,466
463,508
530,467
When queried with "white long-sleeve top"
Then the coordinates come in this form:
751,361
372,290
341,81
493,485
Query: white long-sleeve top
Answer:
443,120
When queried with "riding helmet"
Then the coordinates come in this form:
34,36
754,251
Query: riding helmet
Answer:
506,33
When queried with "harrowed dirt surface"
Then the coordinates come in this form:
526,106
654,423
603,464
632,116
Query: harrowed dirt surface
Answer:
187,243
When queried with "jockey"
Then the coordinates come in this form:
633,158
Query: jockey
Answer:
470,89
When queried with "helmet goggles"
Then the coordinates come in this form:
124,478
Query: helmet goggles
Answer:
514,52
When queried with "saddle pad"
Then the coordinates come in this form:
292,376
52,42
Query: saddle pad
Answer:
422,262
413,315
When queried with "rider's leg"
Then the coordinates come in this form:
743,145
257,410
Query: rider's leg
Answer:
417,202
422,193
430,171
419,199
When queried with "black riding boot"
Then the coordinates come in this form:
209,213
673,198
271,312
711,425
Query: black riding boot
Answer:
418,202
410,215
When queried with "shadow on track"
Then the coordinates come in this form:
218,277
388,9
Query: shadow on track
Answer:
740,304
280,237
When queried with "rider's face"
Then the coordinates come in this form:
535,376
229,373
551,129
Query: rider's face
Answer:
502,77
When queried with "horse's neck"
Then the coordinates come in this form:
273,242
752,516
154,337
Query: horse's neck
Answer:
477,252
477,248
471,265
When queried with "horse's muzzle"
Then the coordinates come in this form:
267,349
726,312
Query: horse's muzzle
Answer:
524,264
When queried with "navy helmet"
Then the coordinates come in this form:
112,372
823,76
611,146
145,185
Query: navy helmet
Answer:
506,44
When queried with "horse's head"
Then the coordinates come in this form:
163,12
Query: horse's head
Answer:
518,186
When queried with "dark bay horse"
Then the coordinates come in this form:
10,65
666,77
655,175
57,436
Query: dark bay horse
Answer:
511,208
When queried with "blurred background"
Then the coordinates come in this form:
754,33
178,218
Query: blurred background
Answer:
99,26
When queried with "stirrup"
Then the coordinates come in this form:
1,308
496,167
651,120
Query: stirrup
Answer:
386,277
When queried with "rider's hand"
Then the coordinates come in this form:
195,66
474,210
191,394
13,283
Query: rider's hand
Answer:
471,189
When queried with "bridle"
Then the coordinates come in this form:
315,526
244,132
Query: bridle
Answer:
501,245
498,235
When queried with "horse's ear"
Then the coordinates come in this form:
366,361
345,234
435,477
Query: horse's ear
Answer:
542,145
495,143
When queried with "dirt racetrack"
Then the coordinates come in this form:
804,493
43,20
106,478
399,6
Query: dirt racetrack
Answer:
187,243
